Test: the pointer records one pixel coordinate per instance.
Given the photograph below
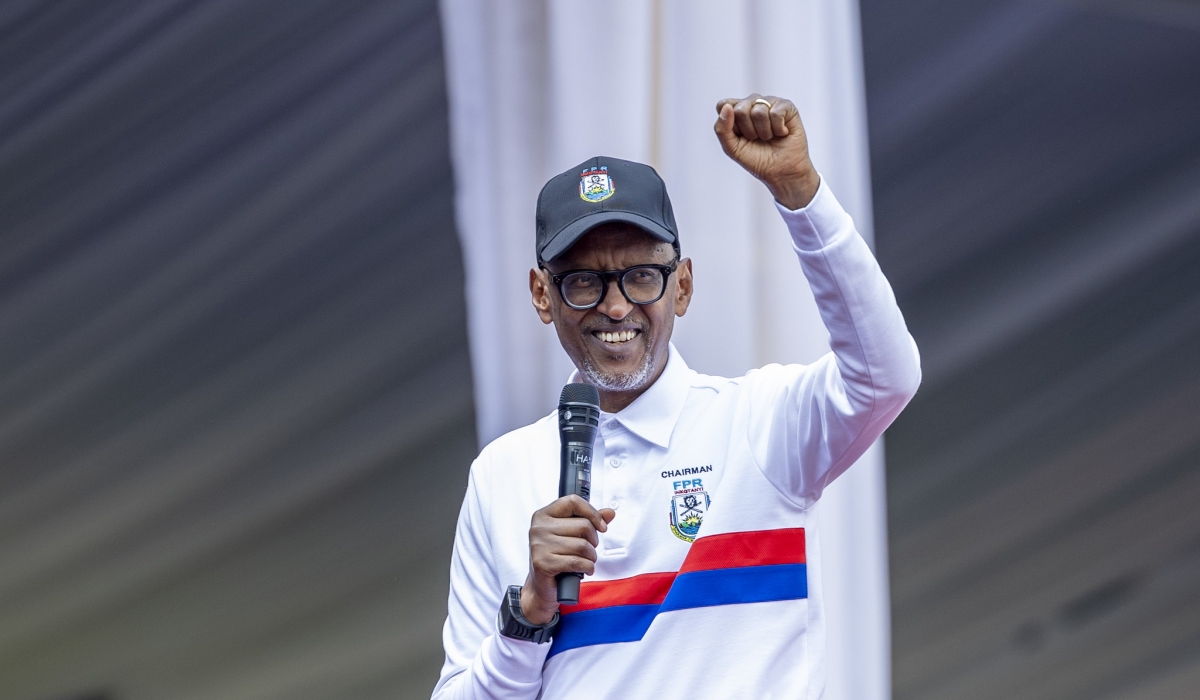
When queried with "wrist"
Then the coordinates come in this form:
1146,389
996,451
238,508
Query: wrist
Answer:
534,609
796,191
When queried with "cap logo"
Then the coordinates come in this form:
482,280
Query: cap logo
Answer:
595,185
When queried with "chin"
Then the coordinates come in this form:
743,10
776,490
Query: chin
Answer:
629,375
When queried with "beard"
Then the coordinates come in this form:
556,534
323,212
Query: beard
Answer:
618,381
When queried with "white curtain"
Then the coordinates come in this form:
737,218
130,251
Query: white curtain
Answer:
538,86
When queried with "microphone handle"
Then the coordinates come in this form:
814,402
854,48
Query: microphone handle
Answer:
576,478
568,588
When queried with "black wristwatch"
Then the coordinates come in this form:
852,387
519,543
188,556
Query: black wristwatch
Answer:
514,625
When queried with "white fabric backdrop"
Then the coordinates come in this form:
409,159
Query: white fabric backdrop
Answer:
537,87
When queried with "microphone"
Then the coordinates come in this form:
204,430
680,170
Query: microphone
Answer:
578,422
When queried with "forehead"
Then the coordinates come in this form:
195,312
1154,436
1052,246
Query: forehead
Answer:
614,245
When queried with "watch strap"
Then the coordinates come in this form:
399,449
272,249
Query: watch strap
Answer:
513,624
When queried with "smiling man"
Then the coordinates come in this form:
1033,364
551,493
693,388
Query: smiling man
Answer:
703,565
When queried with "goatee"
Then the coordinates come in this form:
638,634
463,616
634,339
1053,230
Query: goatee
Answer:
617,381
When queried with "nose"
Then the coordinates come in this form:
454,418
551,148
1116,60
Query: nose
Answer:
615,305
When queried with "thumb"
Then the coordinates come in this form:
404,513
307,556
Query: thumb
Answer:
724,129
608,514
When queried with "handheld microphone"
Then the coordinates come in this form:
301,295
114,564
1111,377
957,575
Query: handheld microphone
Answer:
578,422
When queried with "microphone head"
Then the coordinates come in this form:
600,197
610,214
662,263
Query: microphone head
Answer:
580,393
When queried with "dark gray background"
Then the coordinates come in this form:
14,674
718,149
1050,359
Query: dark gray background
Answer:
235,400
1036,172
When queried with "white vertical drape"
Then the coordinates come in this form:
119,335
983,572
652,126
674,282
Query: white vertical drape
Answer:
538,86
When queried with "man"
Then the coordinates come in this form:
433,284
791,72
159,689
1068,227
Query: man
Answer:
703,576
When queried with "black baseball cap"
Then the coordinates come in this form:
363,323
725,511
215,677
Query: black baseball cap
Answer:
597,191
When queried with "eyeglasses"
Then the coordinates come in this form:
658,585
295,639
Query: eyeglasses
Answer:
641,284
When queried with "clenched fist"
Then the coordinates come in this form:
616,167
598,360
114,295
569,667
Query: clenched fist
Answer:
562,538
769,142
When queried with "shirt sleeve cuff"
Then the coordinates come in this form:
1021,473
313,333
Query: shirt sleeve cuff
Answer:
517,661
818,224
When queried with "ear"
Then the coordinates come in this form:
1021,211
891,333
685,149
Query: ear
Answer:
683,286
539,287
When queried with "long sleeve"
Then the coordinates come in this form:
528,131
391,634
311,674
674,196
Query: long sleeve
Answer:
480,663
811,422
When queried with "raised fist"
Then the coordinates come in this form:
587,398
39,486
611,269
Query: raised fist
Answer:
764,135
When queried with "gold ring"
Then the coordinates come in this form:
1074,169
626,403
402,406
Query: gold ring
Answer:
762,101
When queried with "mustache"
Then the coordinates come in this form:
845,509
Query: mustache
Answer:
611,326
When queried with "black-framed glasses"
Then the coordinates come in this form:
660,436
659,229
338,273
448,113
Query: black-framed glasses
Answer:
641,284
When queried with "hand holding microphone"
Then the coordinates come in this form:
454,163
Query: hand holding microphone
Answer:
563,535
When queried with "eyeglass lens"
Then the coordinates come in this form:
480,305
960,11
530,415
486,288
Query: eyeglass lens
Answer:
642,285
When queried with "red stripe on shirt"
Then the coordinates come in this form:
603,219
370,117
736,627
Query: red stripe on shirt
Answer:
754,548
646,589
727,551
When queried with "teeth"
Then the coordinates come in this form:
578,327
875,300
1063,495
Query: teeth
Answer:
617,337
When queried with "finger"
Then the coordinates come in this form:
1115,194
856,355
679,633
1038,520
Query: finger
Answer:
742,121
545,528
543,552
760,116
571,547
575,528
582,509
725,101
608,514
790,115
733,103
566,564
725,129
575,507
779,110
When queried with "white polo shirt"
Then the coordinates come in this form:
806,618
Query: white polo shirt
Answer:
707,583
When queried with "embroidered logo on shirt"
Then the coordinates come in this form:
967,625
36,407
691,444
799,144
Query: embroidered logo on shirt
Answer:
595,185
688,506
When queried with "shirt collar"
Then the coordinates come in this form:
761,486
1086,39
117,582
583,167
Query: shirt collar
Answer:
652,416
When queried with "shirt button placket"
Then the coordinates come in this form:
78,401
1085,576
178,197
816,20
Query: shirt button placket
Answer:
616,489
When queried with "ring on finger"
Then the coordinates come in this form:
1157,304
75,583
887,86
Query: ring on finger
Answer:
761,101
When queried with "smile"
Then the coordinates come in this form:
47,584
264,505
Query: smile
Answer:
616,336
